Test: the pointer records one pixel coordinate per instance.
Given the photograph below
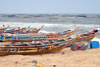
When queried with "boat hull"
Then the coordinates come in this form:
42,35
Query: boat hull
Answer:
24,53
87,37
32,37
11,50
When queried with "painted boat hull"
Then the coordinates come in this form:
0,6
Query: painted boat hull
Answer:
32,37
86,38
43,48
11,50
24,53
2,29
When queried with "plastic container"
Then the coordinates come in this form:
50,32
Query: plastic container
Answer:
74,47
81,47
94,44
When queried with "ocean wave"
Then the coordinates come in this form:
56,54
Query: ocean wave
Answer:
22,24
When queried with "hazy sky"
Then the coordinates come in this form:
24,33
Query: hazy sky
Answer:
49,6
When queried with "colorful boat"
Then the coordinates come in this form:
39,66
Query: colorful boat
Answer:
12,30
35,49
22,30
34,30
87,37
51,46
31,37
4,28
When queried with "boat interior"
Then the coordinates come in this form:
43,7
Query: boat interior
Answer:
43,42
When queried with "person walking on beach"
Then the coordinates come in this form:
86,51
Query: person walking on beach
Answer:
35,64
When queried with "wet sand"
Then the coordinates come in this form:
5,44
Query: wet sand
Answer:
64,58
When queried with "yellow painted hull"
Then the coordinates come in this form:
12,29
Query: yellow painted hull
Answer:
23,53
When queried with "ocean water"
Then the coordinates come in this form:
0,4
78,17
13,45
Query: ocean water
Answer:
85,24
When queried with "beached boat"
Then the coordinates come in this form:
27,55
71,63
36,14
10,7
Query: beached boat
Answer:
57,45
87,37
31,37
47,45
12,31
34,30
4,28
23,30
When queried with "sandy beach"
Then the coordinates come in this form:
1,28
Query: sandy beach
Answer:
87,58
54,19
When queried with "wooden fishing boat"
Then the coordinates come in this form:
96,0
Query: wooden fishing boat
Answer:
4,28
35,30
53,18
12,30
31,37
87,37
22,30
9,31
57,45
51,46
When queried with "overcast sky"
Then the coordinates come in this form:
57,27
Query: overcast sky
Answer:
49,6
